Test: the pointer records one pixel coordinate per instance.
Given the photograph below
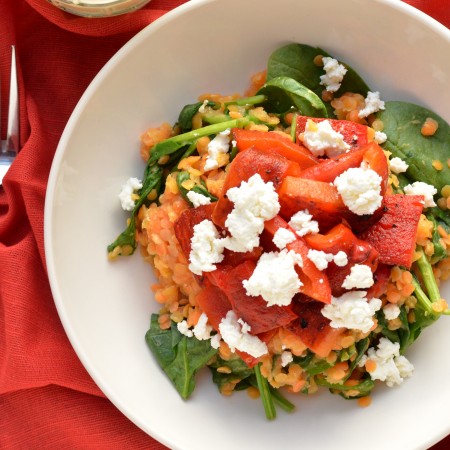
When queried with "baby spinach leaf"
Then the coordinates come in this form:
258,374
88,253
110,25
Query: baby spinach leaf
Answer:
284,93
187,114
297,61
179,356
440,251
239,371
402,124
364,387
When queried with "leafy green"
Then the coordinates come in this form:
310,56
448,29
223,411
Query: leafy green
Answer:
297,61
264,392
401,335
284,93
183,176
402,124
239,371
153,178
364,387
187,114
179,356
440,251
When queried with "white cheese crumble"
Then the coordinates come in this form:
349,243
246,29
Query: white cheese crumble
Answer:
340,259
275,278
283,237
360,189
391,367
220,144
184,329
286,358
303,224
215,341
198,199
380,137
236,337
391,311
421,188
254,202
352,311
334,74
206,248
360,277
397,165
321,258
321,139
372,104
202,331
127,192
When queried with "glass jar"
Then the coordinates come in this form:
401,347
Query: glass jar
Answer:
99,8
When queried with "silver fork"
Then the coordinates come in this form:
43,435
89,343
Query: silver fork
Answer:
10,146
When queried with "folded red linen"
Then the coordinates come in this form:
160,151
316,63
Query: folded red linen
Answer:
47,399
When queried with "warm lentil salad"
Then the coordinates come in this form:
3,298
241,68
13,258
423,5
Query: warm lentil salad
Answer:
299,233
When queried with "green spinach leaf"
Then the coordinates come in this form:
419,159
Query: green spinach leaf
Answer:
179,356
297,61
402,123
284,93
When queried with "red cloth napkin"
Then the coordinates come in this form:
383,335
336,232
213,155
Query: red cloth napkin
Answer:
47,399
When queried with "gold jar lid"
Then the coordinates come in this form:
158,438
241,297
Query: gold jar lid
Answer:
99,8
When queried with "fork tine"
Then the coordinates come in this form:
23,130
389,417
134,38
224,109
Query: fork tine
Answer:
12,136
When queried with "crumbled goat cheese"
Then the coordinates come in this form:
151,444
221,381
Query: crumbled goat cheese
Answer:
127,192
198,199
321,258
286,358
184,329
283,237
397,165
206,248
277,287
215,341
202,331
321,139
380,137
391,311
373,103
421,188
233,334
360,189
303,224
254,202
391,367
220,144
341,259
360,277
334,74
352,311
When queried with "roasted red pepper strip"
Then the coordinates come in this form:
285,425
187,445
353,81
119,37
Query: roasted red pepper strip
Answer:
262,140
320,198
354,134
341,238
394,235
315,282
184,230
314,329
251,309
268,164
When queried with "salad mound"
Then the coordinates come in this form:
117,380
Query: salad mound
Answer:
298,233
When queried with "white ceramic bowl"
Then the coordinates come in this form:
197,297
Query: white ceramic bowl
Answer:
215,45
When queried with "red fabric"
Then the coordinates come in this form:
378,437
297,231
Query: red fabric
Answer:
47,399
